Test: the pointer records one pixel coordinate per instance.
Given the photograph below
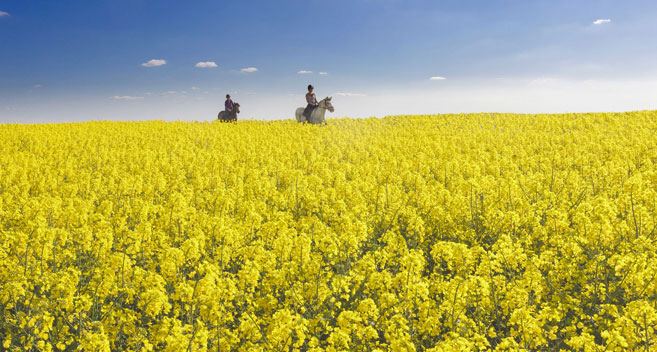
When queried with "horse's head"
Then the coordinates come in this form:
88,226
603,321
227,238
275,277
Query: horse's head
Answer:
236,107
328,105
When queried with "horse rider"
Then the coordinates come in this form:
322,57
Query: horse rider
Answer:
311,99
229,105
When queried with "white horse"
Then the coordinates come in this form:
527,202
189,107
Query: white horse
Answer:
317,115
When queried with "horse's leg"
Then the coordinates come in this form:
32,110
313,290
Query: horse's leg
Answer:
313,116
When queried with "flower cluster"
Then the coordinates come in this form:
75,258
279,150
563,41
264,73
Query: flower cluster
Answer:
408,233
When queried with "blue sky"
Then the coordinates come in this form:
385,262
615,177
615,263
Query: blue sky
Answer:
84,60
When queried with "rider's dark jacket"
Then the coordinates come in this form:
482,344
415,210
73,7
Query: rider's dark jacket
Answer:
229,105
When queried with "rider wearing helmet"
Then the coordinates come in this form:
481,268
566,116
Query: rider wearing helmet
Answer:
311,100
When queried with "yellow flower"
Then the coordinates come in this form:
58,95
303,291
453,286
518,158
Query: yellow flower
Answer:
441,233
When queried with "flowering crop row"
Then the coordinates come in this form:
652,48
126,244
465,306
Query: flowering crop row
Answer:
427,233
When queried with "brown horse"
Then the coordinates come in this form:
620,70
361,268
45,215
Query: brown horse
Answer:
228,116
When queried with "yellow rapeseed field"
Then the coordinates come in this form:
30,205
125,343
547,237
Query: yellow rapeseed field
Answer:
409,233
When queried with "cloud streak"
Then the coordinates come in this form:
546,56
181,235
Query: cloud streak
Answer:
249,70
602,21
154,63
206,64
125,97
437,78
304,72
4,14
323,73
343,94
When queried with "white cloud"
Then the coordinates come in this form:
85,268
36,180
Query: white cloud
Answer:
154,62
195,88
206,64
249,69
546,81
437,78
323,73
4,14
125,97
602,20
341,94
304,72
37,86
